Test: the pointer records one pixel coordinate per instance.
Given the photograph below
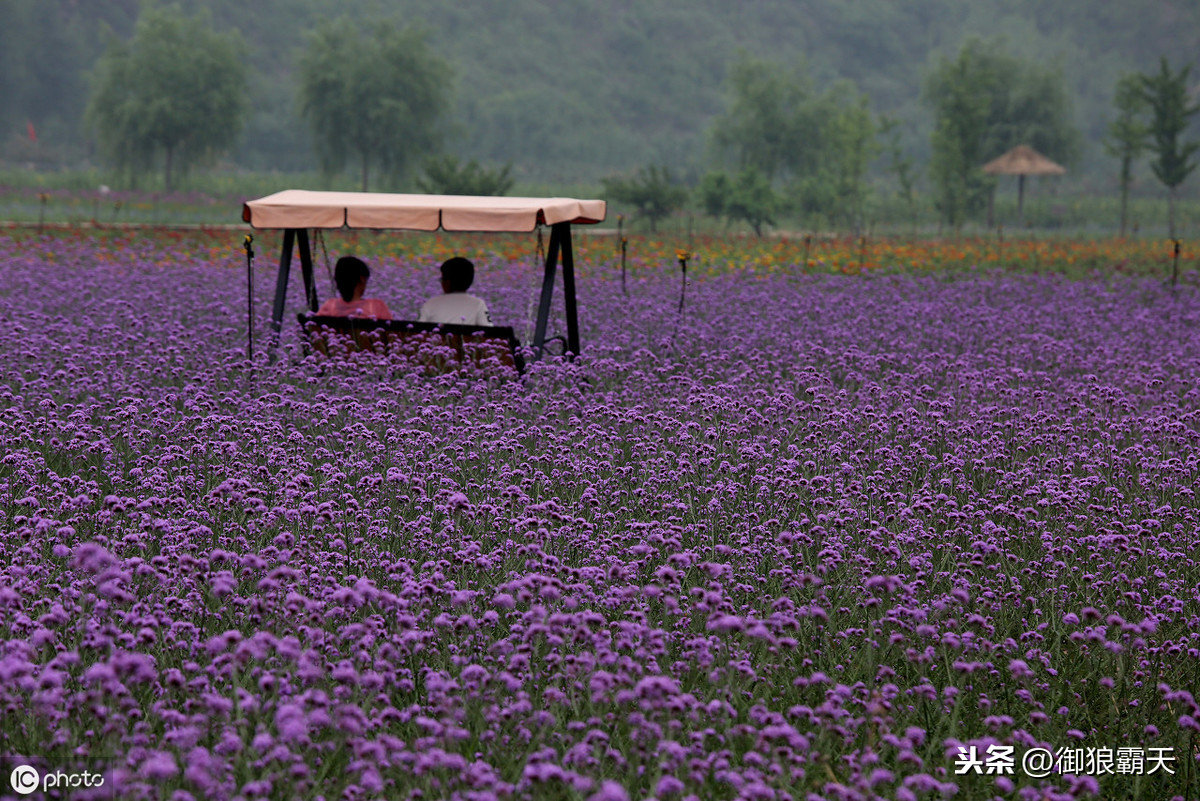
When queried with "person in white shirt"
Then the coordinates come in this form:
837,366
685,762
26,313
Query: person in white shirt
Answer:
455,305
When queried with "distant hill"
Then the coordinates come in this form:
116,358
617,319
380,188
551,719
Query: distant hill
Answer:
571,90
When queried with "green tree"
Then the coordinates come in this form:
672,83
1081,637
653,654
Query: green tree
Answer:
768,116
815,147
713,193
378,96
986,102
651,191
1166,95
445,175
44,57
899,164
834,143
176,89
1125,138
852,144
749,197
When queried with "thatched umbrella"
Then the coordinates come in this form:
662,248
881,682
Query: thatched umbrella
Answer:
1022,160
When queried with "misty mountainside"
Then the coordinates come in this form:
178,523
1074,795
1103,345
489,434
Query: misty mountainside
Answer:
571,90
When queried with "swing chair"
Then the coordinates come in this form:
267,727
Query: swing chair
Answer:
295,211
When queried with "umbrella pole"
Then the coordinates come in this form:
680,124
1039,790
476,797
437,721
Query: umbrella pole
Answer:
1021,198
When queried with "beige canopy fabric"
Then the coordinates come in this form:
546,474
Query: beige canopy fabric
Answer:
1023,160
300,208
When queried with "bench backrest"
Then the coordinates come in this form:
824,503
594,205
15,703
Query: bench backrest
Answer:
432,344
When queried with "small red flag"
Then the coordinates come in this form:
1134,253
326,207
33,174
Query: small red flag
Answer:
32,132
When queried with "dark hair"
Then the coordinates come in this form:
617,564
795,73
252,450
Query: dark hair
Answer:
458,273
348,272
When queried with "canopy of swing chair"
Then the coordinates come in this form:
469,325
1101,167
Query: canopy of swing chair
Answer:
300,208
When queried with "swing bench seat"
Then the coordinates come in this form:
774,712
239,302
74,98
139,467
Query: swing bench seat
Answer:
438,346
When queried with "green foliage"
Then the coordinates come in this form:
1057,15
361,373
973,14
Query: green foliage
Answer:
1166,96
817,146
899,164
961,94
851,145
713,193
1126,136
377,96
768,115
215,197
752,200
749,198
985,102
49,92
177,89
445,175
641,83
651,191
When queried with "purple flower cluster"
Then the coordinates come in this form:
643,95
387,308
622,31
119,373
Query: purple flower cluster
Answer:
802,543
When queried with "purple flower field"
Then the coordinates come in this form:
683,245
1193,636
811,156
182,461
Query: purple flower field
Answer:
803,544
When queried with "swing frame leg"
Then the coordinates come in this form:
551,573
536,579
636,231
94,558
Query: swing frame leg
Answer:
281,282
560,246
568,267
551,265
306,269
293,238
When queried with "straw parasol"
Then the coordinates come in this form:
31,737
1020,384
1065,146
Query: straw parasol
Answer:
1022,160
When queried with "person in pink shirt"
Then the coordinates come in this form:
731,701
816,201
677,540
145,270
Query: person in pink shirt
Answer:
350,275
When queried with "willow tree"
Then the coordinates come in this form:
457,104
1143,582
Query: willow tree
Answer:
176,91
375,97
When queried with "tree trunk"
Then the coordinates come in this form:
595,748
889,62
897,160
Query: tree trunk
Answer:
1125,172
168,171
1171,212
